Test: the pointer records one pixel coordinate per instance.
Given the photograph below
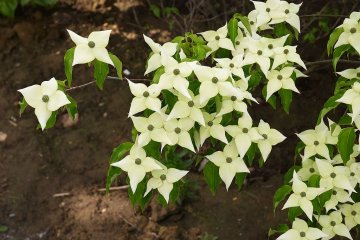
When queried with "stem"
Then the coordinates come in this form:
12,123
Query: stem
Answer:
323,15
330,60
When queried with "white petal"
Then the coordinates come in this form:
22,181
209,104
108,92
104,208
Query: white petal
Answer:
185,141
136,174
153,63
342,230
137,105
153,104
140,123
159,135
307,207
272,87
165,190
226,44
325,168
143,139
218,158
83,54
168,49
181,85
33,95
290,235
207,90
243,143
197,116
49,87
218,132
314,233
174,175
155,47
227,174
57,100
293,201
239,165
265,149
100,38
180,110
153,183
43,114
354,40
288,83
77,39
149,164
102,55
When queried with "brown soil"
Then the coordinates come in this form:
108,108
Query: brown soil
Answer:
34,165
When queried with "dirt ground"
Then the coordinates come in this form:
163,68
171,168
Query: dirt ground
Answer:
35,165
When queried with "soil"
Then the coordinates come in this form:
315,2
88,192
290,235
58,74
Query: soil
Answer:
73,158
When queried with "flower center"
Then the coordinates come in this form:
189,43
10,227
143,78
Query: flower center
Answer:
138,161
334,192
316,143
286,51
352,174
146,94
267,9
176,71
353,213
312,170
150,127
214,79
228,159
333,175
265,136
333,223
303,194
259,52
245,130
287,11
45,98
233,98
91,44
302,234
270,46
191,103
163,177
177,130
279,77
231,65
217,38
210,123
358,74
237,42
251,22
353,30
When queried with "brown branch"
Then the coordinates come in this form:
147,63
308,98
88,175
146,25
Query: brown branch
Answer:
330,60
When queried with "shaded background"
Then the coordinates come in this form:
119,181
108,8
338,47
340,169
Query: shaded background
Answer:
73,158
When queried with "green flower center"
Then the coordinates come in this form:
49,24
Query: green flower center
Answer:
228,159
233,98
358,74
353,213
214,79
286,51
251,22
245,130
316,143
312,170
237,42
163,177
353,30
334,192
217,38
352,174
302,234
177,130
231,65
279,77
91,44
150,127
191,103
270,46
268,9
176,71
303,194
265,136
138,161
333,223
146,94
333,175
287,11
210,123
45,98
259,52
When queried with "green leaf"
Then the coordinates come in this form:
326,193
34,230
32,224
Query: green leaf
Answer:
68,61
8,7
116,155
239,179
245,21
212,177
338,52
282,228
199,52
52,120
329,105
117,64
4,229
72,107
160,71
293,213
101,70
281,194
314,181
233,27
286,99
345,143
155,10
289,174
138,197
23,104
271,100
334,36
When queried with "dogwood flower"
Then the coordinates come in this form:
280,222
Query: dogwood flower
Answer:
270,138
351,34
240,43
338,195
302,196
233,65
244,134
185,108
212,128
163,180
354,173
350,73
232,103
175,76
352,97
308,169
136,164
93,47
290,16
145,98
332,225
258,53
217,39
351,213
45,98
301,231
213,82
280,80
160,54
178,132
273,43
286,54
271,9
333,176
151,128
229,163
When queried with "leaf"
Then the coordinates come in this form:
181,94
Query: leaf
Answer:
330,104
293,213
160,71
334,36
72,107
282,228
199,52
155,10
68,61
281,194
338,52
4,229
23,104
233,29
245,21
239,179
271,100
314,181
286,99
117,64
289,174
345,143
52,120
138,197
8,7
101,70
212,177
116,155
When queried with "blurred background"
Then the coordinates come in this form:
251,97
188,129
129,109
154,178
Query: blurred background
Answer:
51,182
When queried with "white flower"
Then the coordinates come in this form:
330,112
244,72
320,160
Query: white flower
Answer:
213,128
350,73
301,231
307,169
280,80
241,43
229,163
333,176
351,34
352,97
332,225
178,132
286,54
163,180
93,47
214,81
338,195
354,173
233,65
244,134
273,43
175,76
291,17
352,214
271,9
217,39
151,128
160,54
145,98
45,98
258,53
232,103
185,108
136,164
270,136
302,196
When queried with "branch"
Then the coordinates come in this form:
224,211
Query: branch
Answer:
324,15
330,60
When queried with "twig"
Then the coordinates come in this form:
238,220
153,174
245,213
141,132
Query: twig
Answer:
330,60
323,15
64,194
80,86
114,188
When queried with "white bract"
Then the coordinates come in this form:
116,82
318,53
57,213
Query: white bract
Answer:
137,164
332,225
212,128
290,16
178,132
145,98
271,9
286,54
229,163
259,53
92,47
280,80
301,231
217,39
45,98
308,169
234,66
352,97
302,196
351,34
352,214
232,103
338,196
350,73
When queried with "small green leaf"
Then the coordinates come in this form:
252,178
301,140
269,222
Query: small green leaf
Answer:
239,179
345,144
293,213
338,52
233,27
8,7
329,105
286,99
155,10
212,177
52,120
68,61
314,181
4,229
245,21
281,194
72,107
101,70
23,104
118,65
334,36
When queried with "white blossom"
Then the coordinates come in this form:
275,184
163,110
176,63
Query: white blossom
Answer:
332,225
233,65
217,39
280,80
212,128
352,97
145,98
286,54
350,73
259,53
301,231
308,169
351,34
352,214
178,132
338,196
